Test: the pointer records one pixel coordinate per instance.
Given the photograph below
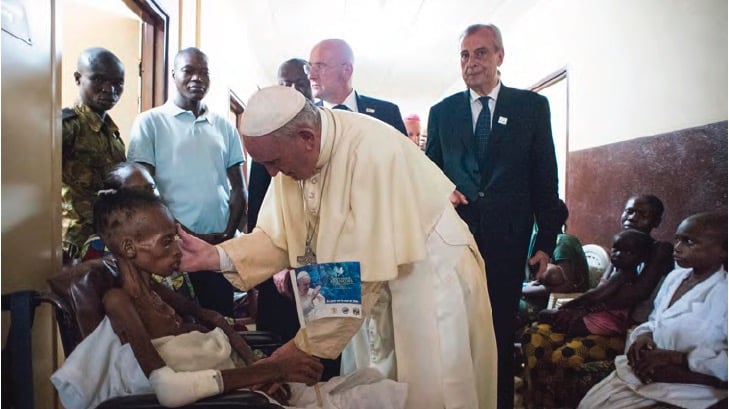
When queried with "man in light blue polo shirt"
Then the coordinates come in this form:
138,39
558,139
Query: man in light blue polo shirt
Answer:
195,157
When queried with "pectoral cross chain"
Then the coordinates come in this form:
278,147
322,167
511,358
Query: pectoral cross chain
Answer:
308,257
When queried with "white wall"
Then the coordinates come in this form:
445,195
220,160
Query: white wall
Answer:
636,68
233,64
115,28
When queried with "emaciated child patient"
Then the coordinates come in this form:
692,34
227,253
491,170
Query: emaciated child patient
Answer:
141,233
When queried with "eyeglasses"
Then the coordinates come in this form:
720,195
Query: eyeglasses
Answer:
319,67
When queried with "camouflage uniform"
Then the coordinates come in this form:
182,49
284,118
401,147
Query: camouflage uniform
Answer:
91,147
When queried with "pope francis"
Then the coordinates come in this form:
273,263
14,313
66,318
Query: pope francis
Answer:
347,187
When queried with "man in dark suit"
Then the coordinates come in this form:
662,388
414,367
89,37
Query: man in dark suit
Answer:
332,65
495,143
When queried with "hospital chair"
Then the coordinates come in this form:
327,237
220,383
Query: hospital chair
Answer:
17,362
77,297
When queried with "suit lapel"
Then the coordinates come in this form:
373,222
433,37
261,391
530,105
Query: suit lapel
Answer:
504,103
362,106
463,125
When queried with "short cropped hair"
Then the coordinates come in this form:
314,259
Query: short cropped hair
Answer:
113,180
115,208
712,224
643,240
654,202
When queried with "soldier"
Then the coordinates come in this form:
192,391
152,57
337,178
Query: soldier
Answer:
91,143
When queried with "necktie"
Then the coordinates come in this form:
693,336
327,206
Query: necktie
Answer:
483,129
341,106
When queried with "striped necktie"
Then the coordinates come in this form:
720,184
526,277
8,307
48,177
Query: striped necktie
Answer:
483,129
341,106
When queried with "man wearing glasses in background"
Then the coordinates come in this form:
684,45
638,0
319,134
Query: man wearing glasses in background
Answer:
330,72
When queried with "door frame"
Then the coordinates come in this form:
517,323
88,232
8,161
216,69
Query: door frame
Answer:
553,78
153,66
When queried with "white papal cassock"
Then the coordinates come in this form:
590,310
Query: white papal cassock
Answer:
382,202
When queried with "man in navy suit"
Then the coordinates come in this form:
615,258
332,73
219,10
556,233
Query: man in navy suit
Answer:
500,154
332,65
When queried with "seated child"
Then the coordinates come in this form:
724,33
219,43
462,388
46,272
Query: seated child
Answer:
535,295
128,175
568,273
586,314
679,356
553,278
553,358
143,344
132,175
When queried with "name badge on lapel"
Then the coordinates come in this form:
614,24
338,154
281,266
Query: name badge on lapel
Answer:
370,110
503,120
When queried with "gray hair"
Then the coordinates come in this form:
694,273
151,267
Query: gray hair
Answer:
498,42
309,115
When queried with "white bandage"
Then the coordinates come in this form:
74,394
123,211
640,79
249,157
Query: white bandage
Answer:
174,389
226,264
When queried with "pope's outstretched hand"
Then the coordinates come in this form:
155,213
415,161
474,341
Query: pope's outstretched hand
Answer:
197,255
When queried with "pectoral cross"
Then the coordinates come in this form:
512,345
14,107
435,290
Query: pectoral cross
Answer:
308,257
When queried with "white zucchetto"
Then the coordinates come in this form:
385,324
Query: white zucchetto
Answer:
271,108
